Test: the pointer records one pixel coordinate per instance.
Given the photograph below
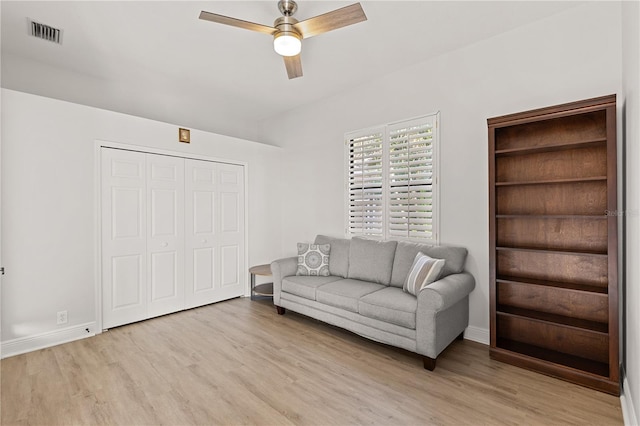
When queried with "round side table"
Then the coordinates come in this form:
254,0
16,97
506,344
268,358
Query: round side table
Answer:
260,291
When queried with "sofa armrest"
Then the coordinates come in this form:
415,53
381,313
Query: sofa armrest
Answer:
279,269
443,313
444,293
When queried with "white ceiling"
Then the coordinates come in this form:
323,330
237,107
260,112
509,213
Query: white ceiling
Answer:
158,60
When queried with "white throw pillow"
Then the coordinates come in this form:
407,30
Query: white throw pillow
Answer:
313,259
423,272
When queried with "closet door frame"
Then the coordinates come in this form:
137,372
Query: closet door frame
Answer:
98,145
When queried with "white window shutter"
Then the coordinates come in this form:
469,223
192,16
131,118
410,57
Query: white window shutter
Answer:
392,180
411,179
365,182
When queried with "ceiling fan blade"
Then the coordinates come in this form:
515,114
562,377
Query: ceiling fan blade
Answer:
331,21
294,66
221,19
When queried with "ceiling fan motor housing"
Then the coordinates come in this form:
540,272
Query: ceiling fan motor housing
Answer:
286,24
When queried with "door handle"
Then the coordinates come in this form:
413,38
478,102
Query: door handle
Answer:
164,244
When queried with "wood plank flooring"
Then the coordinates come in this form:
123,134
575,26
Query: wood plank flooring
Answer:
237,362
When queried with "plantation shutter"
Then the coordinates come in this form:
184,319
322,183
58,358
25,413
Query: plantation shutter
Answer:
392,180
365,182
410,185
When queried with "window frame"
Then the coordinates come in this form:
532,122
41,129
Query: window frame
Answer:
384,129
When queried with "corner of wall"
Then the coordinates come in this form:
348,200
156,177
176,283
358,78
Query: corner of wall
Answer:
477,334
626,401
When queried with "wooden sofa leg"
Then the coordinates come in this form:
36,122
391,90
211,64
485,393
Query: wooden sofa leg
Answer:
461,336
281,310
429,363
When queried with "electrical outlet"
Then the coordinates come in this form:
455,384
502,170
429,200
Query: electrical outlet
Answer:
62,317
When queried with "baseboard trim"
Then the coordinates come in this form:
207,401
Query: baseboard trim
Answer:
45,340
626,401
477,334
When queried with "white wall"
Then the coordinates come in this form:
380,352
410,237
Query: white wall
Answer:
631,132
570,56
174,103
48,197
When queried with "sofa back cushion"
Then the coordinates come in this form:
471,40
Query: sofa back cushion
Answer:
371,260
339,259
406,252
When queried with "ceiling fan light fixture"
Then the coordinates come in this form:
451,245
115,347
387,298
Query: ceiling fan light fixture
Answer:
287,43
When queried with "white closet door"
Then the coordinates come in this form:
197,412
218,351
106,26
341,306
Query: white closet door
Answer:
214,241
124,239
233,271
165,231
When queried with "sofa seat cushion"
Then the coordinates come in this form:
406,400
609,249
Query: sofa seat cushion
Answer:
392,305
305,286
345,294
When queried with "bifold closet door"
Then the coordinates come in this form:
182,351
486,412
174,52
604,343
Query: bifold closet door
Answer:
165,234
142,236
124,237
214,243
172,234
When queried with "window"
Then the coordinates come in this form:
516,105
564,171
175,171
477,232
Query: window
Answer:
392,180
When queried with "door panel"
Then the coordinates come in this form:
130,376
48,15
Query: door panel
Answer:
229,176
127,279
164,279
202,173
229,209
203,212
127,168
164,212
233,274
124,280
214,237
203,268
166,170
125,212
165,224
229,264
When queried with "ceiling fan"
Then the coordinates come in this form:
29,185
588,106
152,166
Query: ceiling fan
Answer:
288,33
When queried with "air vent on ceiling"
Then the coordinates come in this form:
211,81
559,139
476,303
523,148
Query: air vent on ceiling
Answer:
45,32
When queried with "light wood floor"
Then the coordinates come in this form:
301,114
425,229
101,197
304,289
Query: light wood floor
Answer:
237,362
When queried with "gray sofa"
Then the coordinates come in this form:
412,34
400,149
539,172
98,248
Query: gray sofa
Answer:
364,294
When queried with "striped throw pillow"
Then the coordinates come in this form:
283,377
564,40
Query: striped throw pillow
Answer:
423,272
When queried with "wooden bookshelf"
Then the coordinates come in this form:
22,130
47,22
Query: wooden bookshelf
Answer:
554,242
